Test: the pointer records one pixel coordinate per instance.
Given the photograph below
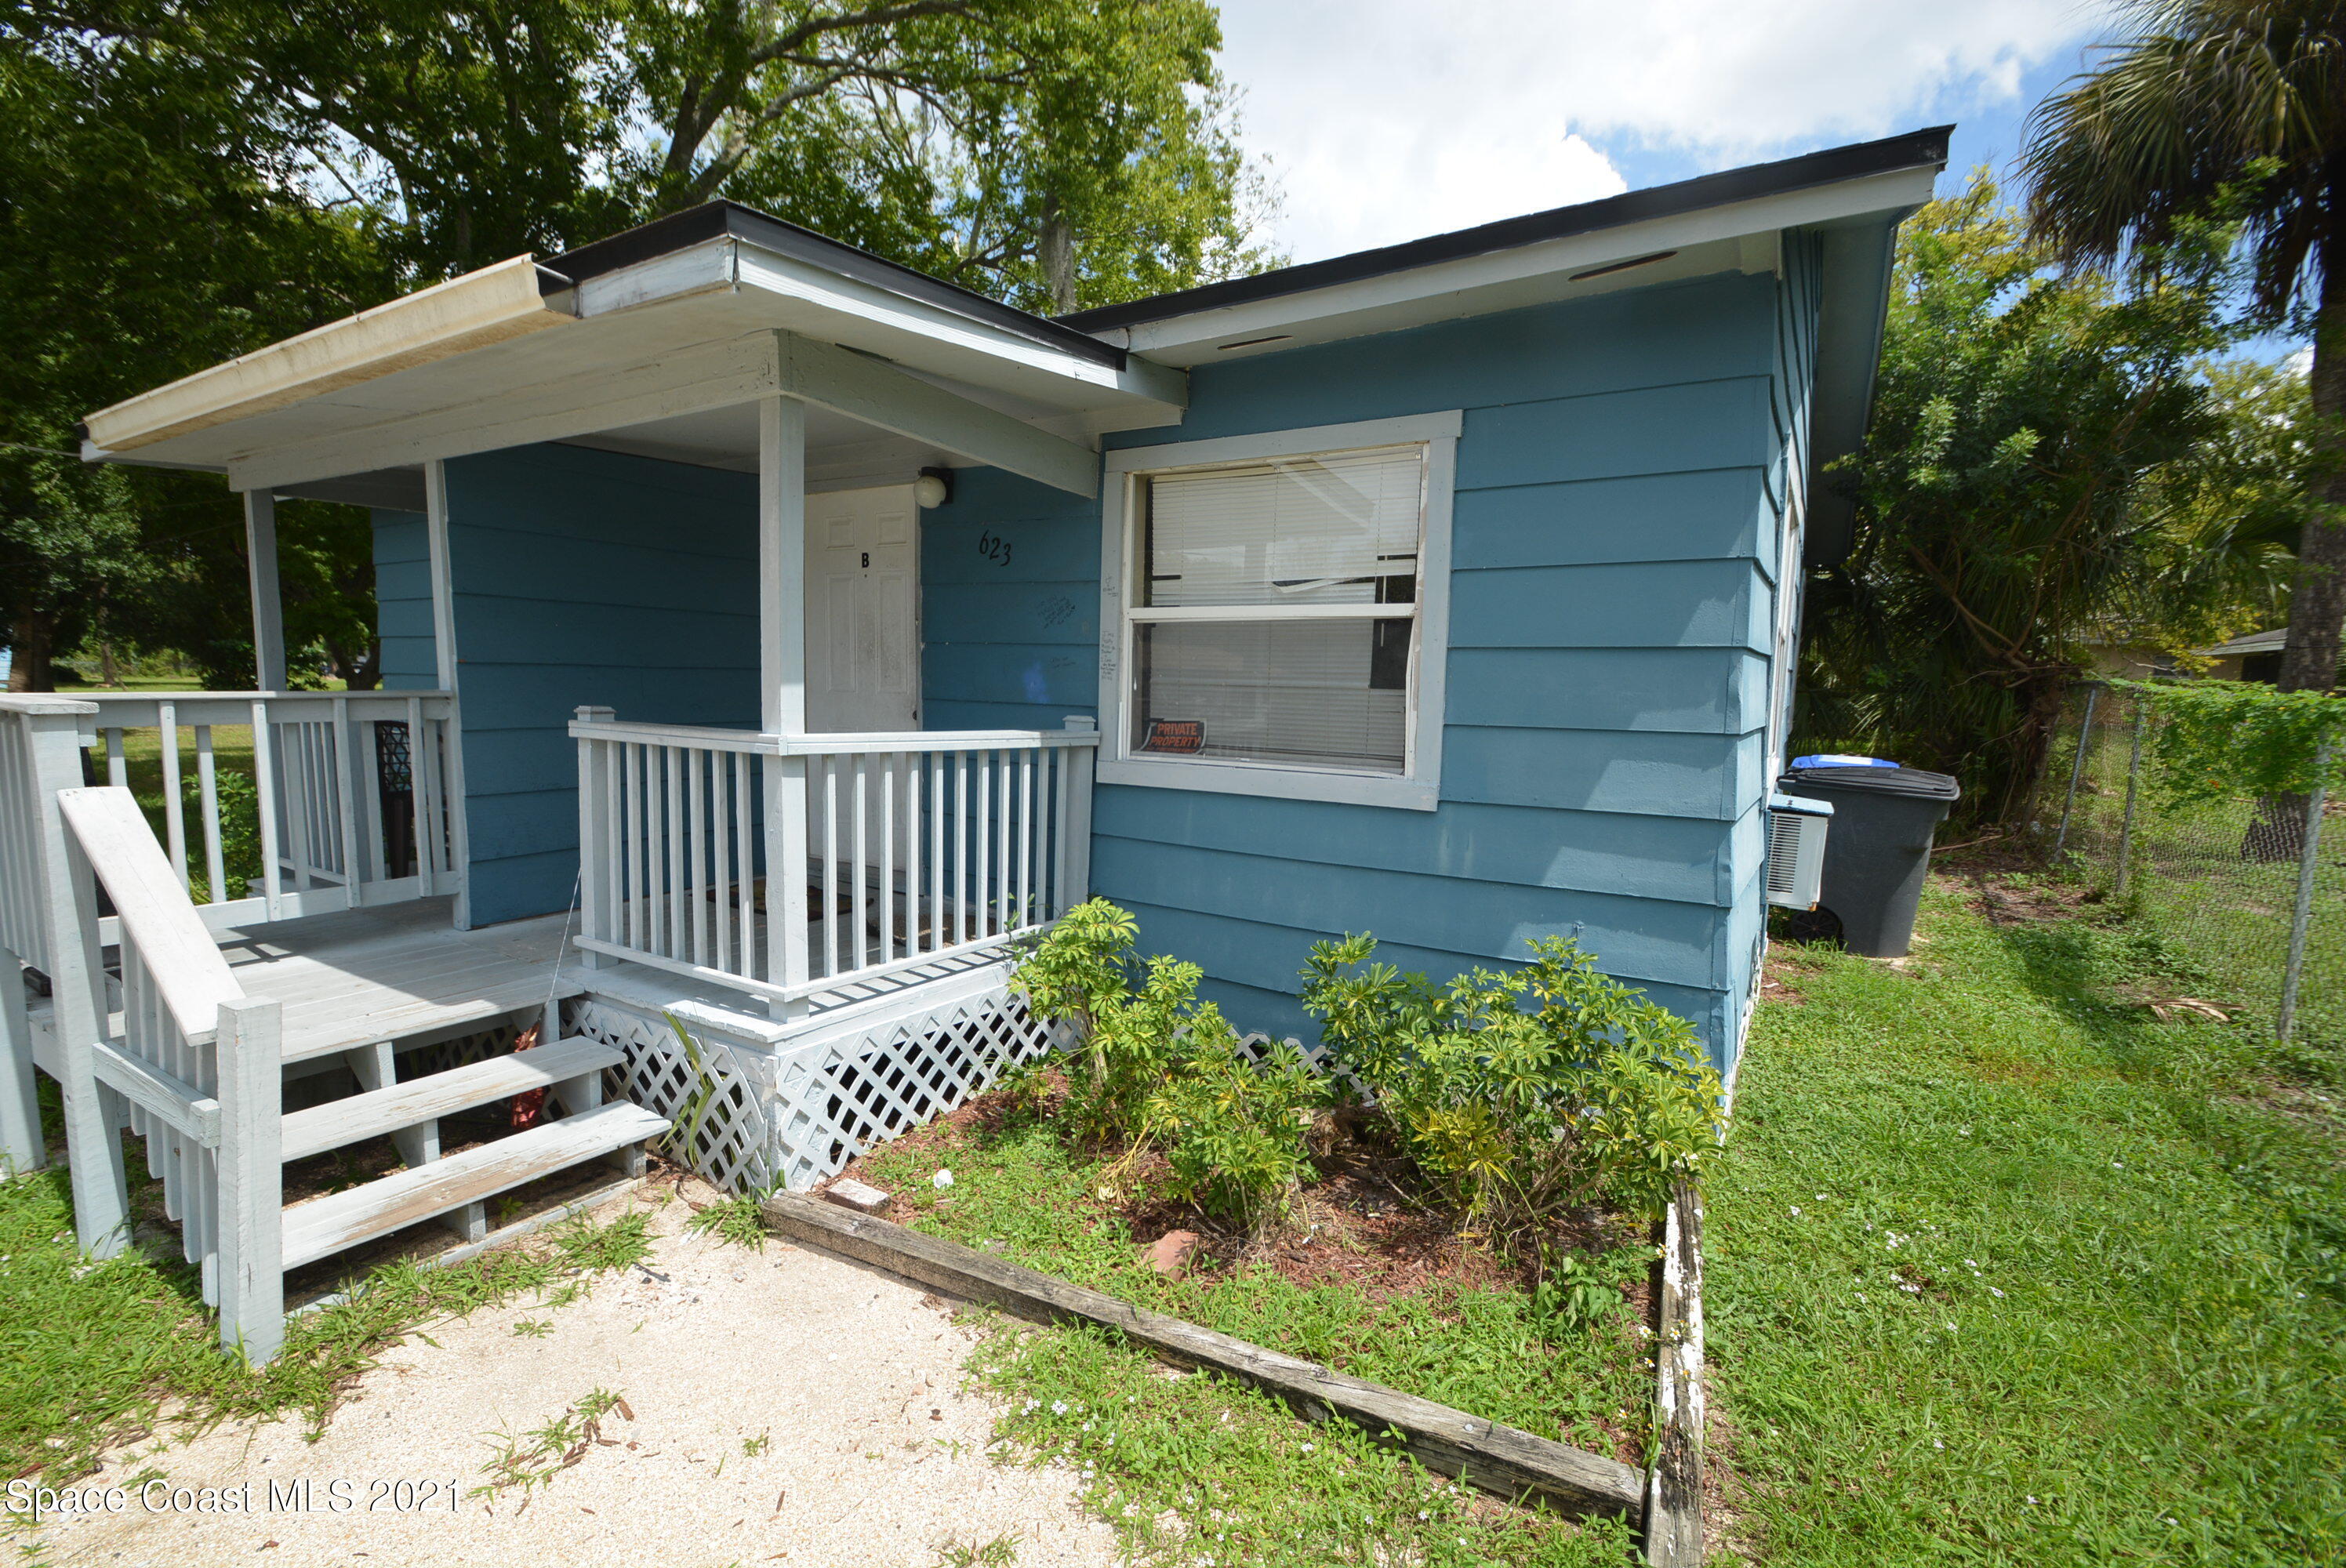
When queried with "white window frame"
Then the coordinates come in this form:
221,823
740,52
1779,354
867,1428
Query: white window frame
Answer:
1418,786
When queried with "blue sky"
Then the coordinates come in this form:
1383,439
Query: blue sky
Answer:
1383,120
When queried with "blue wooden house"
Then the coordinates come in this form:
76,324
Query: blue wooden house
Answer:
771,635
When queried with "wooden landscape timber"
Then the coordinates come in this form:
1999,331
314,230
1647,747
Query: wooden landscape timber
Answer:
1495,1458
1674,1485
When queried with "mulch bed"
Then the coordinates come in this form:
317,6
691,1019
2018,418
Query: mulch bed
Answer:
1357,1225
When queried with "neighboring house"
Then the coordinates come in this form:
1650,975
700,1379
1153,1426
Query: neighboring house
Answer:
1448,591
2129,661
2256,656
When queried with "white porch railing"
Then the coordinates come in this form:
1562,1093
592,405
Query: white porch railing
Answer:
912,847
194,1067
350,800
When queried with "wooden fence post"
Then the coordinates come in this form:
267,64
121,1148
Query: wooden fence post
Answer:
250,1056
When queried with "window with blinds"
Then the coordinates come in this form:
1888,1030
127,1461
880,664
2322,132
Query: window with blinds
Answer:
1274,611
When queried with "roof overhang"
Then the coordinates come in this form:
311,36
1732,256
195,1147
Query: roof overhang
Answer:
493,305
1718,222
658,339
665,344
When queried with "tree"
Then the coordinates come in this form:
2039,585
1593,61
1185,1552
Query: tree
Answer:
1054,153
147,228
2238,103
2028,482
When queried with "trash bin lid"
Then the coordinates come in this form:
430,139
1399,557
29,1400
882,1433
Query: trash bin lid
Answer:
1842,760
1912,783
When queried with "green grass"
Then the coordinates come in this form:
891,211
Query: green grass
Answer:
93,1354
1020,1192
1243,1481
2127,1342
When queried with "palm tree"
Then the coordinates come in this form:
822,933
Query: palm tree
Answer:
2237,105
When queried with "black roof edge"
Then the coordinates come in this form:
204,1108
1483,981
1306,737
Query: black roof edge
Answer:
721,218
1909,150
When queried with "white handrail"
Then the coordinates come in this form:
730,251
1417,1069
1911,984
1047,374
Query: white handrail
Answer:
706,739
195,1068
184,965
917,848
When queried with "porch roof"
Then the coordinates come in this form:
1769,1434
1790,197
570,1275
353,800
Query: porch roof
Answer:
658,340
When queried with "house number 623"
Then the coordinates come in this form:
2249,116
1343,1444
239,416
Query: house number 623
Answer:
993,548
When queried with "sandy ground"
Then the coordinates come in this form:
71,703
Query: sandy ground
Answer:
788,1405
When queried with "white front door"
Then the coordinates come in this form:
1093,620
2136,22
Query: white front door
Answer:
862,610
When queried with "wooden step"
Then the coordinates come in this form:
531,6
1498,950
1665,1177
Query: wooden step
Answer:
435,1094
328,1224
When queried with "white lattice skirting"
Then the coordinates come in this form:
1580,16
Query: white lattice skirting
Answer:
752,1113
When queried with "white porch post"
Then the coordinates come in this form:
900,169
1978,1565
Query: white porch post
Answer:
782,682
444,650
268,599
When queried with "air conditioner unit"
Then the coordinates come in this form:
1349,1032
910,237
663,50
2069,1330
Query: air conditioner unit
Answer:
1796,850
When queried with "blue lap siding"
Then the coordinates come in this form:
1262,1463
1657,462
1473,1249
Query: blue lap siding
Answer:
1627,490
1620,504
586,578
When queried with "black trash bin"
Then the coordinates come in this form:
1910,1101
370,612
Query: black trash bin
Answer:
1878,847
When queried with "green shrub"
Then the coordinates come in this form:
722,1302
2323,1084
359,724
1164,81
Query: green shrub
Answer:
240,824
1232,1129
1156,1068
1519,1115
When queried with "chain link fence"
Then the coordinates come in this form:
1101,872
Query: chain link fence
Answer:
2250,891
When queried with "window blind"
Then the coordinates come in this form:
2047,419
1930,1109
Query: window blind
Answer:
1341,528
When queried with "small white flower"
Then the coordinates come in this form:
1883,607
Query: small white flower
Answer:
1307,1448
2032,1497
1423,1514
1969,1263
1796,1209
1994,1291
1860,1296
942,1180
1058,1407
1936,1443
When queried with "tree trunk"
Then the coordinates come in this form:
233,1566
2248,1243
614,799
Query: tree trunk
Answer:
2317,606
1055,246
29,667
2044,694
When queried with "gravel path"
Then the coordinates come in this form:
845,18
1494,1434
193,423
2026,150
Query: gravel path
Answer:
787,1406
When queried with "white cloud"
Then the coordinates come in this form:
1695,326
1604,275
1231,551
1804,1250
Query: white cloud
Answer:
1385,119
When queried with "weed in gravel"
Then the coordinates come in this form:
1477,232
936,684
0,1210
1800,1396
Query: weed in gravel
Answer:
735,1219
550,1449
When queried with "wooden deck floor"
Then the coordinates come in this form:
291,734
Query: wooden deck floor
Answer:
392,973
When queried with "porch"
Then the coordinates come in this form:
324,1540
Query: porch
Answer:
233,1023
653,788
